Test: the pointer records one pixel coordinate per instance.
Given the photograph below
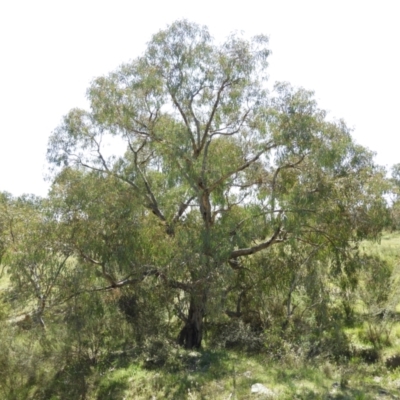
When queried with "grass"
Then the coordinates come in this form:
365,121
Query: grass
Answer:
388,246
225,374
230,375
218,374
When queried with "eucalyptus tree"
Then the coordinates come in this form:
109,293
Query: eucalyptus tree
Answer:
216,168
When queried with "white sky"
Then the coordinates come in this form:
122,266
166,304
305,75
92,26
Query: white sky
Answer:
346,51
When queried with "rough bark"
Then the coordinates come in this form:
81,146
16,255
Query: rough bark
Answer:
191,334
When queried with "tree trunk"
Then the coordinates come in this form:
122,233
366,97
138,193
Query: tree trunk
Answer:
40,310
191,334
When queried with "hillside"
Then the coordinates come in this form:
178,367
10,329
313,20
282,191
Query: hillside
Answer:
36,366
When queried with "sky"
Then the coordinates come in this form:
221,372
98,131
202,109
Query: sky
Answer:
50,51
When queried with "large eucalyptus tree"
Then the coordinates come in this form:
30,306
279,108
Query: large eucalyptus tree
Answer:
216,169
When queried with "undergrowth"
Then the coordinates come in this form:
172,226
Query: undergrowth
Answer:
359,359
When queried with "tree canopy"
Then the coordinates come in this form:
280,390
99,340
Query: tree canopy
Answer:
226,193
216,170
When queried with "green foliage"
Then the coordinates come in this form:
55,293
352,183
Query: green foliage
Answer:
395,197
234,218
216,170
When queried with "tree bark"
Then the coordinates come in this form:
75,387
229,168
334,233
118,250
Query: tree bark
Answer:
191,334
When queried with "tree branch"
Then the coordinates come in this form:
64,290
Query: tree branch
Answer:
241,168
153,202
178,106
255,249
182,208
213,111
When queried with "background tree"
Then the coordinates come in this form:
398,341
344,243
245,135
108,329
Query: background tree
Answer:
395,200
216,171
35,258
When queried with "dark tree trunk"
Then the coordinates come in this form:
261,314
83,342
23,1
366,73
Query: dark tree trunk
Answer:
191,334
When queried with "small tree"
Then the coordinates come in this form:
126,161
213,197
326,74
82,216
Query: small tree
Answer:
34,257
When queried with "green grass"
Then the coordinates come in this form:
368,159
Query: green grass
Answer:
214,374
388,246
217,374
229,375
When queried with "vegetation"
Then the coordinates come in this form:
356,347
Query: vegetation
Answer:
395,197
234,240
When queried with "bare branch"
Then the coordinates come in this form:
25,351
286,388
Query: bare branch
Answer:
182,208
220,131
109,172
196,121
268,147
290,165
213,111
60,267
255,249
153,202
178,106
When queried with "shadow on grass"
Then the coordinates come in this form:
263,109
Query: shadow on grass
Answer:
112,389
68,383
180,373
193,370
